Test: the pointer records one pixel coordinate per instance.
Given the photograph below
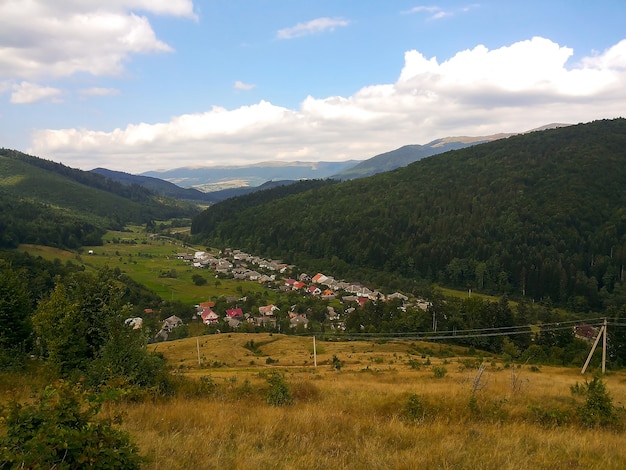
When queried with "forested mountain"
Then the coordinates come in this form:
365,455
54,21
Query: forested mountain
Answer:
541,215
402,157
156,185
50,204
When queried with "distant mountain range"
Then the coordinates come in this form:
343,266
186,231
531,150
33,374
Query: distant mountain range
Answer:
210,179
233,179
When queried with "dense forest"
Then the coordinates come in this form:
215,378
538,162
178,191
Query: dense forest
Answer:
540,216
50,204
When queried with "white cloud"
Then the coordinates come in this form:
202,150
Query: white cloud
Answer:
40,38
476,92
315,26
25,93
99,91
239,85
437,12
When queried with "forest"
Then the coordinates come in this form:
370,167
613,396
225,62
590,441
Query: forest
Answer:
47,203
540,216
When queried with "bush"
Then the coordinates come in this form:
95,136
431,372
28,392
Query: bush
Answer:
62,430
440,371
598,409
413,409
278,394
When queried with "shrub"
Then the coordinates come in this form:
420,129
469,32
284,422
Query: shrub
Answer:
439,371
278,394
336,363
62,430
598,409
414,409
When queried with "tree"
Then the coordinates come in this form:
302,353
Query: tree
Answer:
15,310
82,332
63,430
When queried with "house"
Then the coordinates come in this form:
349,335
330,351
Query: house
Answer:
234,313
585,332
168,325
268,310
135,323
314,290
203,305
171,322
397,295
299,319
209,317
319,278
233,322
298,285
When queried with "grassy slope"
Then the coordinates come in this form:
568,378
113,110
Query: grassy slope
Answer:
26,181
353,418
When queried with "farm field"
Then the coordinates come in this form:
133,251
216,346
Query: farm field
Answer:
151,262
386,406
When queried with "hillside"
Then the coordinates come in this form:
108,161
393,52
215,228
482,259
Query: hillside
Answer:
156,185
540,214
51,204
412,153
402,157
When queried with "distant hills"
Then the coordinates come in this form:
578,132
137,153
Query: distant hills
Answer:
209,179
540,215
51,204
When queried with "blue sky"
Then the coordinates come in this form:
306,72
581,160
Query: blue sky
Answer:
139,85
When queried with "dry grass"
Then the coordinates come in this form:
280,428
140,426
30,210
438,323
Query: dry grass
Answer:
353,418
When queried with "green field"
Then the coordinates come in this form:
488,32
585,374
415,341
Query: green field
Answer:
151,261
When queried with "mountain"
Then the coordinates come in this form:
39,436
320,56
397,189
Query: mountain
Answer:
209,179
156,185
165,188
51,204
402,157
541,215
411,153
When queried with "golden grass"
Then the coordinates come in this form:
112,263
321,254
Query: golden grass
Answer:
353,418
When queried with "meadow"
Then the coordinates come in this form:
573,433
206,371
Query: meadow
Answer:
353,404
387,405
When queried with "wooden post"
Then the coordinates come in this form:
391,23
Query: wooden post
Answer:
593,348
198,349
604,349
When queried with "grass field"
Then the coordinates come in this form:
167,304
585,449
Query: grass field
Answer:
151,262
356,417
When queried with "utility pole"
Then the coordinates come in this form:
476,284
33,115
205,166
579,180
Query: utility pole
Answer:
593,349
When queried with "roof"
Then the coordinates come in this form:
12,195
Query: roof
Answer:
234,313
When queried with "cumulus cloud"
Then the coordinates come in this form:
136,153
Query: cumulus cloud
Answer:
476,92
40,38
315,26
25,93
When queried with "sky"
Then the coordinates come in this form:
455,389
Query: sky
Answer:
141,85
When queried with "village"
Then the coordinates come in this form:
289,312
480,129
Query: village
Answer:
339,297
